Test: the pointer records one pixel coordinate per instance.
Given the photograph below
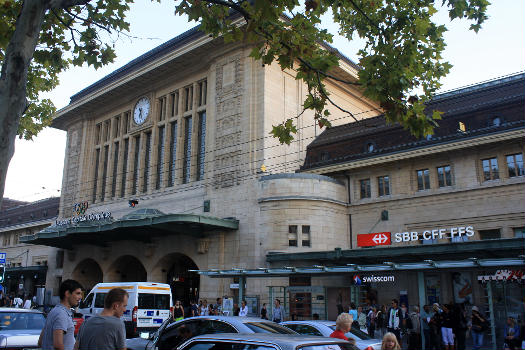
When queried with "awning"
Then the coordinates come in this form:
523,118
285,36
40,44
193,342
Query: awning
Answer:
485,249
141,225
353,268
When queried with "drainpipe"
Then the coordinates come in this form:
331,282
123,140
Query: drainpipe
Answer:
349,215
242,281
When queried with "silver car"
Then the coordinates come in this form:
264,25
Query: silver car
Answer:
172,334
264,342
20,328
325,328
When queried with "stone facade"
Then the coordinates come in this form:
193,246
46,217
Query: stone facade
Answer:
241,100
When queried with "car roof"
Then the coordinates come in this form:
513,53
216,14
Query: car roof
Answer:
234,320
323,322
276,339
16,309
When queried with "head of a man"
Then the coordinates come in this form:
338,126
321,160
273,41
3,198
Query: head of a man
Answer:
277,302
394,303
70,293
426,307
116,301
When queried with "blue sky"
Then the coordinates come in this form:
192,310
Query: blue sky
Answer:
35,171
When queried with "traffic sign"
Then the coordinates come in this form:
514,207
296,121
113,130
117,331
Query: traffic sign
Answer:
2,258
373,239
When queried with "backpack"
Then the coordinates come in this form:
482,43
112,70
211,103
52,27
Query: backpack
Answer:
409,324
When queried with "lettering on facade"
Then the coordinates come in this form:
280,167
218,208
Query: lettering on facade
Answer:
438,233
83,218
504,276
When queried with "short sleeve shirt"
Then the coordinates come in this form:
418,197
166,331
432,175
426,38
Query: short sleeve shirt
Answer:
59,318
102,333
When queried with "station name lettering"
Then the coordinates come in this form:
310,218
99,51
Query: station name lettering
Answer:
83,218
438,233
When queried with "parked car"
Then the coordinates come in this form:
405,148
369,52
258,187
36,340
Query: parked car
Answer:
20,328
325,328
264,342
172,334
77,321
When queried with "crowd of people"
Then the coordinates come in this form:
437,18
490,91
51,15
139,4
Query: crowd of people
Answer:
26,301
445,327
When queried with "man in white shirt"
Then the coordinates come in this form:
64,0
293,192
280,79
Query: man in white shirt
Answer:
243,312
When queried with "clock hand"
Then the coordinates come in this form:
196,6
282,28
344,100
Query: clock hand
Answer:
140,112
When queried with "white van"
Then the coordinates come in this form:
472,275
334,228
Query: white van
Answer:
149,304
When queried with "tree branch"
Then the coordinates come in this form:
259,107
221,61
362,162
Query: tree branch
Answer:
323,92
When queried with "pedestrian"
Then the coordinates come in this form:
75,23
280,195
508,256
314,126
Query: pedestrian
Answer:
27,302
59,331
414,329
361,319
425,316
315,317
394,320
18,302
278,314
194,309
460,325
211,310
178,311
236,309
105,331
390,342
353,312
2,298
446,327
243,312
479,325
343,325
218,307
511,334
435,328
371,321
264,312
204,311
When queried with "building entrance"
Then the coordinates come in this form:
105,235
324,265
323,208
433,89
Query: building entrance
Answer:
184,283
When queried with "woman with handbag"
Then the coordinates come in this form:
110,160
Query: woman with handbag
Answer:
479,325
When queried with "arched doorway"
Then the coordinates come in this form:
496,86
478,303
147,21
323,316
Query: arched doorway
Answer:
127,268
174,269
88,273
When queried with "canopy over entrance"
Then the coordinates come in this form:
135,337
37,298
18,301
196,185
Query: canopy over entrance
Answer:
140,225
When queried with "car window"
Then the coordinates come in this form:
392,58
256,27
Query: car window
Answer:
268,327
215,326
306,329
178,333
99,299
220,345
340,346
87,302
21,321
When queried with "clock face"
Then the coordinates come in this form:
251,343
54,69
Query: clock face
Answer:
141,111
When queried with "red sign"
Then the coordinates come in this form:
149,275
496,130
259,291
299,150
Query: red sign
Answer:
373,239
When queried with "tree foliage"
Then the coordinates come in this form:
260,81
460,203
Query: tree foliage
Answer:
401,59
38,40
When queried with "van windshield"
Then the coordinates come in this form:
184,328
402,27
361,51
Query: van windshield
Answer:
154,301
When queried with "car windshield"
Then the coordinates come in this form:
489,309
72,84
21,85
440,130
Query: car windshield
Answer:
21,320
358,333
268,327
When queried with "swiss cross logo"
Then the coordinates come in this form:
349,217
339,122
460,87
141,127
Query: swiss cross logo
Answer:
373,239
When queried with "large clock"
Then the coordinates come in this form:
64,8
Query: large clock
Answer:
141,111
